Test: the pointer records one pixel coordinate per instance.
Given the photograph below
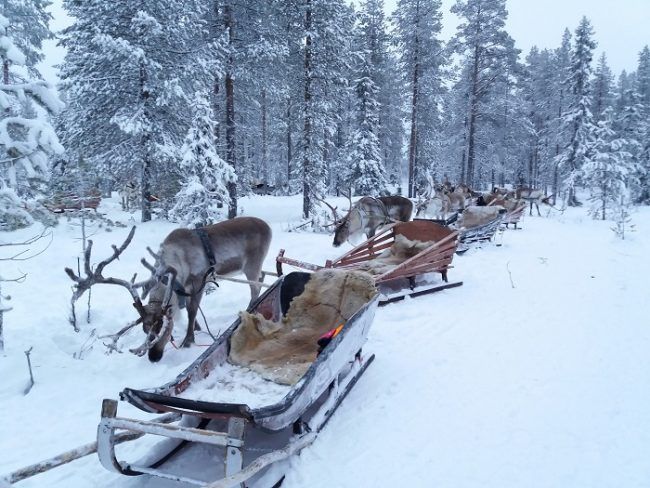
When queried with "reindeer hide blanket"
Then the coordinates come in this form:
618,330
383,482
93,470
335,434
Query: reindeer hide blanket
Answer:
401,250
475,216
283,351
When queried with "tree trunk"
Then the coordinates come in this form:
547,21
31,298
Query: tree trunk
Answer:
414,111
289,143
265,142
473,102
2,311
147,163
307,130
230,112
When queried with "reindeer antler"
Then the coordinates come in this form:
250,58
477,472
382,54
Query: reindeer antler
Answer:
333,209
349,197
96,277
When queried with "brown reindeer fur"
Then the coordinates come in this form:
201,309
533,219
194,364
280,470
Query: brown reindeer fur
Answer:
283,351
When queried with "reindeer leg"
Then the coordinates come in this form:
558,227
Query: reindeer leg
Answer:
253,272
531,209
537,207
192,309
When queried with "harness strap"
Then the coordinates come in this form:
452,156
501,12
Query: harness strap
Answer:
207,246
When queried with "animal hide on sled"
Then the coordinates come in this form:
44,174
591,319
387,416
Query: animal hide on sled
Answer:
283,351
477,216
401,250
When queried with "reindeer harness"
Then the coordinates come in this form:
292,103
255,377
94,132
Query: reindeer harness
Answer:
364,214
178,287
207,247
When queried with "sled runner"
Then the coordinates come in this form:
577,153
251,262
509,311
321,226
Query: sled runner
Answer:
403,258
261,392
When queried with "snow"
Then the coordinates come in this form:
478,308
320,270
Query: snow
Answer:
534,373
234,384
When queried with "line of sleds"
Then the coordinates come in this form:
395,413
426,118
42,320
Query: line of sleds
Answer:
237,443
265,388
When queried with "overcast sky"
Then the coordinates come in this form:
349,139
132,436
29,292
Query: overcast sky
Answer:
622,27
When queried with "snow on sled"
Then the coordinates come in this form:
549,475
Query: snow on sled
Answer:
403,259
261,392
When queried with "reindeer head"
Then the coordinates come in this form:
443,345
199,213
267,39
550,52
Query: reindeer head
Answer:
158,332
156,315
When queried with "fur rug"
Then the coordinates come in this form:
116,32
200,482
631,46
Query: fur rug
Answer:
401,250
476,216
283,351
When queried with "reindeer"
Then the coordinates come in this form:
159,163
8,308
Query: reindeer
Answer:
533,197
185,261
129,195
231,247
369,214
436,204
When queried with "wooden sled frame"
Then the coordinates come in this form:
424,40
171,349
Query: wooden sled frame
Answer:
436,258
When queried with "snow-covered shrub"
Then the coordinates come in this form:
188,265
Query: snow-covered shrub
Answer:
622,218
13,215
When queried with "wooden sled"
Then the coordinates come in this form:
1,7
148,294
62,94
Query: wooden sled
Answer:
515,211
234,444
412,277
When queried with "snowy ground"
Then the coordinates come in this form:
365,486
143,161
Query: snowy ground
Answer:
535,373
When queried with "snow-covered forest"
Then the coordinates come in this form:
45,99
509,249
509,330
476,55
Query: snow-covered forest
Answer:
193,105
171,115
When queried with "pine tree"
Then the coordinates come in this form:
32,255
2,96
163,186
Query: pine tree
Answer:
417,31
27,139
560,104
327,27
489,52
609,170
206,176
577,121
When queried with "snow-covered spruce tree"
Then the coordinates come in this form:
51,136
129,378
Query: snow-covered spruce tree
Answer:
643,77
203,197
365,172
603,88
577,121
128,68
631,126
374,42
487,50
29,27
609,169
416,36
642,91
27,139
